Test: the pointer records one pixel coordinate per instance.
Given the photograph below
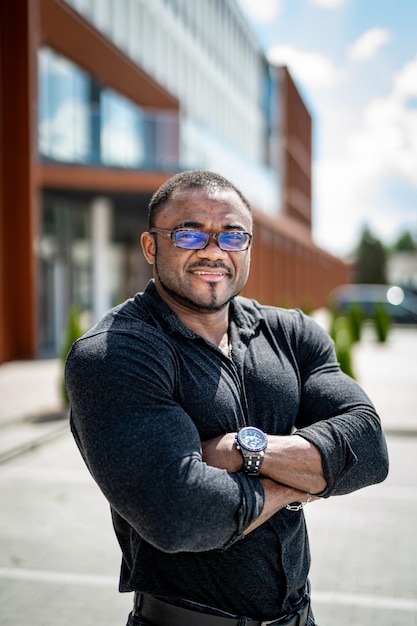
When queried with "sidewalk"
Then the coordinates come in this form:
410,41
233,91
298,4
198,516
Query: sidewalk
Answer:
388,373
29,388
31,409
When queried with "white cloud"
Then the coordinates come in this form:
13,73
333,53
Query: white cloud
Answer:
314,70
339,208
383,148
386,144
328,4
262,10
345,201
368,44
405,82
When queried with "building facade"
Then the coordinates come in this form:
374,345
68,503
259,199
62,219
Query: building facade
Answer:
103,100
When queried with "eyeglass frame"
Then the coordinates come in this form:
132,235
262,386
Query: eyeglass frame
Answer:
170,234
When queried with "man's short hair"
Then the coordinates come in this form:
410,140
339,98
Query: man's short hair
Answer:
186,180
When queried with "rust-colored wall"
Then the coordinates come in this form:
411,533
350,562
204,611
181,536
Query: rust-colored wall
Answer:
296,150
288,269
18,207
98,178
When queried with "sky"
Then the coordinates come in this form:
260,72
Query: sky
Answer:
355,65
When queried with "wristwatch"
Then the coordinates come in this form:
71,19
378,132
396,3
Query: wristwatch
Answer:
252,442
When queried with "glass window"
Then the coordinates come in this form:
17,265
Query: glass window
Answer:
65,267
122,131
81,121
64,120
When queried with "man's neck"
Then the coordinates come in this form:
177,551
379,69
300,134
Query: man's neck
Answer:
213,326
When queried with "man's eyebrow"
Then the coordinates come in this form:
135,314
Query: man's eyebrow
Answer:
191,224
234,227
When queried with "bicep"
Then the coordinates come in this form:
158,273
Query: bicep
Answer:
144,451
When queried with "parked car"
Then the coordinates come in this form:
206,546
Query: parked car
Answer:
400,303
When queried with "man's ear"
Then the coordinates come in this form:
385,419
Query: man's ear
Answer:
148,247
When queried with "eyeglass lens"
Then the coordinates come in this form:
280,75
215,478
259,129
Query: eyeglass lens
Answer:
197,239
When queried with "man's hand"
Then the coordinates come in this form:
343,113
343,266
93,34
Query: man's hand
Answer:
276,498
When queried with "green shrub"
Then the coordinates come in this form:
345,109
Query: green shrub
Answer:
73,332
356,317
341,334
382,322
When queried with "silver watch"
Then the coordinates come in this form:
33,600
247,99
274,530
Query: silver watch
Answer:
252,442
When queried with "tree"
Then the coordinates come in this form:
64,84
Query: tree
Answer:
405,243
371,260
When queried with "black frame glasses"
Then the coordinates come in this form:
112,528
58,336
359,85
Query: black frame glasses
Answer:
192,239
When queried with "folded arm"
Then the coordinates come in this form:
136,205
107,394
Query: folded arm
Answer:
144,451
291,470
290,460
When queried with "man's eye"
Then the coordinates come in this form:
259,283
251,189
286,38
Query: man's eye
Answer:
190,235
234,238
190,238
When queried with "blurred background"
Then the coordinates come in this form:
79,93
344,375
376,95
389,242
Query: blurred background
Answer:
309,107
101,101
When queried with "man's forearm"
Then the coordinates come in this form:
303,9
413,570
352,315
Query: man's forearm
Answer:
289,460
294,461
277,496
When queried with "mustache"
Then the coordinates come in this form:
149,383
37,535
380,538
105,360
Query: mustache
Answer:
211,265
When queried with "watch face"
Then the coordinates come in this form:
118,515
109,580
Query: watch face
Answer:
252,438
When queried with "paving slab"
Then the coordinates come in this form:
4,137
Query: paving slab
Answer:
388,373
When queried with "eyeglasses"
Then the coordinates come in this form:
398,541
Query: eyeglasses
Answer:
189,239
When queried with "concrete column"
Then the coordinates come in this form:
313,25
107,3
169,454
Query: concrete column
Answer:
101,218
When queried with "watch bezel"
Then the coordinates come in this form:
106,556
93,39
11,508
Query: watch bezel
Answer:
241,441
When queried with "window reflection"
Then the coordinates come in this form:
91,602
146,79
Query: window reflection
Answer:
82,121
64,120
122,131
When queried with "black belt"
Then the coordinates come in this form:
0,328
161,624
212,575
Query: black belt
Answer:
164,614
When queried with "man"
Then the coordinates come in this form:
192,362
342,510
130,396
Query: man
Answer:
209,421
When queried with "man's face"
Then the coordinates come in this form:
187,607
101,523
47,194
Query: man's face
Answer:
199,280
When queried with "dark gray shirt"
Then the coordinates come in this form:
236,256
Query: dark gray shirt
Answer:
145,391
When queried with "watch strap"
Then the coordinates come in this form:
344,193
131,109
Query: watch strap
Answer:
252,461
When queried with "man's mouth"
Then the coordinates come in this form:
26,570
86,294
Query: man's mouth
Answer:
210,274
214,273
210,271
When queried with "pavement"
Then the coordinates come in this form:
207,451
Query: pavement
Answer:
59,559
31,406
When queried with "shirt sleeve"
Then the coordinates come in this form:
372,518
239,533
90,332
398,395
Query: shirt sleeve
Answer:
143,449
336,415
